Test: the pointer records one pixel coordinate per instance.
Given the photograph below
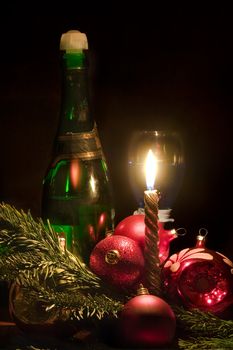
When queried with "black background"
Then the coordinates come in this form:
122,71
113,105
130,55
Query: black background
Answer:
154,67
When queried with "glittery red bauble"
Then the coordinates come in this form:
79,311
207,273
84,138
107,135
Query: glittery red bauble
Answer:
146,321
133,226
118,260
199,278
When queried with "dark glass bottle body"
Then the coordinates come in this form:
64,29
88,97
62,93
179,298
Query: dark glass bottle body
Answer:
77,194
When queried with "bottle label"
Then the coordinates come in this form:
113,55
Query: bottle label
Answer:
84,146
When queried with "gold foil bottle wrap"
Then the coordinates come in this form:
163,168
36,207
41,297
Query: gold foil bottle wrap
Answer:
83,146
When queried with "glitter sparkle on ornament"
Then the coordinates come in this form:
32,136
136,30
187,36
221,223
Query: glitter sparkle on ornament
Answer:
118,260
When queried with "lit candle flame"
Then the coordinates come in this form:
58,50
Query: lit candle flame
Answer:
150,170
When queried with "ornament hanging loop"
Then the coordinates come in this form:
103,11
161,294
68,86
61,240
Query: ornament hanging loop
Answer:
181,231
201,237
203,232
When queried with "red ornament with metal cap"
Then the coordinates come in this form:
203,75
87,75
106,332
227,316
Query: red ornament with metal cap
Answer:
118,260
200,278
146,321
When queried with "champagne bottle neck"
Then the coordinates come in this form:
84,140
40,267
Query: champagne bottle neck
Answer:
75,114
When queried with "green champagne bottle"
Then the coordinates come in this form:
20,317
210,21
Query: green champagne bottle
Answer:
77,196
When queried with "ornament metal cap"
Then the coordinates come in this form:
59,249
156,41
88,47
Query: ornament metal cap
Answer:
142,290
112,257
201,237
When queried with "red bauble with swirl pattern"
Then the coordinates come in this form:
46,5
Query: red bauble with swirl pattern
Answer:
200,278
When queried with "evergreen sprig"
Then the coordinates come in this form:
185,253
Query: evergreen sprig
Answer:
202,330
21,234
32,257
79,305
206,343
198,323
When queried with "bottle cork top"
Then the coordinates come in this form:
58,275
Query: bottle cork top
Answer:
73,40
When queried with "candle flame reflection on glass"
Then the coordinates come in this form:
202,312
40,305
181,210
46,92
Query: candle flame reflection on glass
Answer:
167,147
151,169
93,184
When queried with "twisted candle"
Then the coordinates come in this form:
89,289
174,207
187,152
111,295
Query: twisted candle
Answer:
151,241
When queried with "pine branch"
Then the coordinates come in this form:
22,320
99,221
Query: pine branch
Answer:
195,323
32,257
22,234
203,330
89,305
206,343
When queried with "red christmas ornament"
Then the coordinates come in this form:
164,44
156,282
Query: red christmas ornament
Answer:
118,260
146,321
199,278
165,238
133,226
31,316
